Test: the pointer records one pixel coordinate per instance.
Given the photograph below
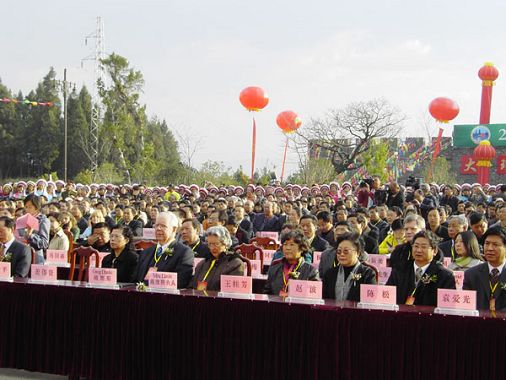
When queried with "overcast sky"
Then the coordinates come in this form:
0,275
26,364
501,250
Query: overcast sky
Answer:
309,56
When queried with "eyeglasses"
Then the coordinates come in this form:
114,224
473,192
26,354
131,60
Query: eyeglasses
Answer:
218,244
114,236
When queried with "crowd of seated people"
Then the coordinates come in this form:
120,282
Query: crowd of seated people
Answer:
416,227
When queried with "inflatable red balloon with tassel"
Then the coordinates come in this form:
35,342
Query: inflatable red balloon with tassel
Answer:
253,99
288,121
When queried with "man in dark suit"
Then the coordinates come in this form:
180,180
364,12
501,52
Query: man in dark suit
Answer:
267,221
167,255
243,220
190,237
417,284
308,225
136,225
489,279
12,250
358,222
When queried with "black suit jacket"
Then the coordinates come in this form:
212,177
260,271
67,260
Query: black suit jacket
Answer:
136,226
319,244
275,283
425,294
477,278
368,276
125,264
179,261
21,259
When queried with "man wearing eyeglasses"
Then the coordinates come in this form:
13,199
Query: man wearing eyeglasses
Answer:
489,279
167,255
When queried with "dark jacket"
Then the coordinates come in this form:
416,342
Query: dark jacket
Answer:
136,226
179,259
368,276
21,259
260,223
275,281
477,278
125,264
426,293
226,264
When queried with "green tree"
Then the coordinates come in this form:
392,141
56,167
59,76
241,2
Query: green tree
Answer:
142,150
375,158
441,171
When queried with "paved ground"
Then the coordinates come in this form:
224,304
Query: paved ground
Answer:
15,374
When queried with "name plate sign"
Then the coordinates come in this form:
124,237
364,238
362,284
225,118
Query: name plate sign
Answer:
384,274
378,260
5,271
456,299
378,294
268,255
101,256
255,268
447,261
268,234
305,289
163,280
42,272
148,233
56,256
236,284
459,279
102,276
196,262
317,257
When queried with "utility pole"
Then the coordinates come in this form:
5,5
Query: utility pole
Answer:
96,106
65,94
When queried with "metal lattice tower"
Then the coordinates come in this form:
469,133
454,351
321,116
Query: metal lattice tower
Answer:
96,104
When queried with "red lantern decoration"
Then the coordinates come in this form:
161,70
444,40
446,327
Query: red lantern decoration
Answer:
483,155
488,74
443,109
253,98
288,121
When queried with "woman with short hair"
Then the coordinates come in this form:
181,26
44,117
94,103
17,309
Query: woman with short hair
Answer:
221,262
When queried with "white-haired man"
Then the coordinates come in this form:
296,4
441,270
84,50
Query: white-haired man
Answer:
167,255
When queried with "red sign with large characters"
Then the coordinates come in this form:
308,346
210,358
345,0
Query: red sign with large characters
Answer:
501,164
468,165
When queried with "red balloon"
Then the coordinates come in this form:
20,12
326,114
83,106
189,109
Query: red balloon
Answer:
444,109
288,121
253,98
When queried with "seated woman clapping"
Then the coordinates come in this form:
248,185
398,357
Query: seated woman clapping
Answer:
208,272
342,281
291,266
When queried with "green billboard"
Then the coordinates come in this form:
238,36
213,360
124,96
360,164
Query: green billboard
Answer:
470,135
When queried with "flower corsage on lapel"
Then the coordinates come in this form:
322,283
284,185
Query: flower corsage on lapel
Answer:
294,275
502,285
7,258
427,278
355,277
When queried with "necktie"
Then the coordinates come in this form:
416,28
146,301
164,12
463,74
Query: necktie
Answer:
418,275
494,277
159,252
2,251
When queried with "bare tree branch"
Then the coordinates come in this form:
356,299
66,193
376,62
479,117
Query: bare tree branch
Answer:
346,133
